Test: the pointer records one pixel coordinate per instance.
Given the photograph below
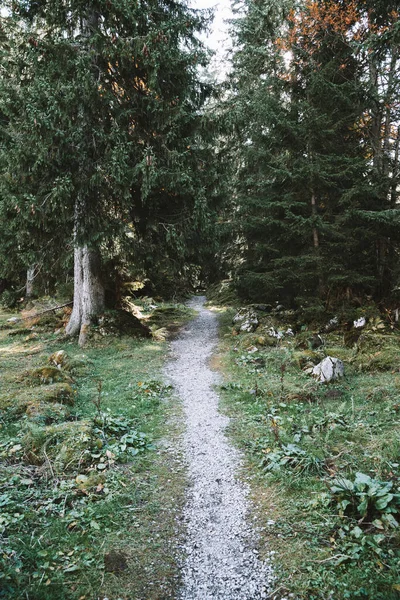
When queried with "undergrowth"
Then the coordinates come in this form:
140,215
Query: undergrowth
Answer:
324,459
88,496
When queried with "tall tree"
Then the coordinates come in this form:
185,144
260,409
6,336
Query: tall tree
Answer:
103,107
301,109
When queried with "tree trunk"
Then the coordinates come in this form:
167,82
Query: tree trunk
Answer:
395,175
383,160
88,288
88,292
314,214
30,277
376,117
389,121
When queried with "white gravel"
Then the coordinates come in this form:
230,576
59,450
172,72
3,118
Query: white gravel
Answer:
221,561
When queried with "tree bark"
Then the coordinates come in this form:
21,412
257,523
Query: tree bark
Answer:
30,277
395,175
314,214
382,124
376,123
88,292
388,100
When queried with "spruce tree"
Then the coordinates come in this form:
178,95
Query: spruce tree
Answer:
103,102
303,130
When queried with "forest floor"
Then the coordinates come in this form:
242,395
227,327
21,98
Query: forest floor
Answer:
324,459
92,482
113,487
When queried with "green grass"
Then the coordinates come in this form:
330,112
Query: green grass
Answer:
299,437
89,499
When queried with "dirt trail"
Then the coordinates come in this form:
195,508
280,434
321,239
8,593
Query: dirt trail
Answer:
221,561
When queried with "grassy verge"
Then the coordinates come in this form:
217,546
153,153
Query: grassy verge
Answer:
323,459
89,492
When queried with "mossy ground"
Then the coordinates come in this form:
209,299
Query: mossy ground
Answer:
89,496
300,436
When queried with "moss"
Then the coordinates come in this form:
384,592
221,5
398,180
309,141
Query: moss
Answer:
306,358
265,340
382,360
50,321
341,352
78,366
167,316
120,322
351,337
48,375
90,481
223,293
60,359
64,446
42,412
377,352
249,340
58,392
61,393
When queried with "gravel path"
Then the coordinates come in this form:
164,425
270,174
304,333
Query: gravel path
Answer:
221,560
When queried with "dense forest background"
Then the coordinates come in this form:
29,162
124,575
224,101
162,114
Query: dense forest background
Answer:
123,167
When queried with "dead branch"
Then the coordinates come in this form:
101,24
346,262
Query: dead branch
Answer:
43,312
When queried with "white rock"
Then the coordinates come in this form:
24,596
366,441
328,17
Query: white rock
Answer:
248,320
249,326
361,322
252,350
328,369
275,334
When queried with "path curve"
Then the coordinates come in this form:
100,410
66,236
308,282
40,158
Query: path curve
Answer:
221,560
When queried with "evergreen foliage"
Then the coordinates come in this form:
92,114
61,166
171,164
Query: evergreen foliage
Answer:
107,143
101,130
316,149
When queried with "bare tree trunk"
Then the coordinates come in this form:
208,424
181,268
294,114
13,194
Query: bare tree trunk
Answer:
395,175
314,214
88,288
388,100
316,244
74,323
382,133
376,121
88,292
92,295
30,277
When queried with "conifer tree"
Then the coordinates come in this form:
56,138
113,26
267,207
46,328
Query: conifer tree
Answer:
303,127
103,108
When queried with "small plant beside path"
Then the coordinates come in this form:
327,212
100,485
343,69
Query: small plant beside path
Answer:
323,460
88,496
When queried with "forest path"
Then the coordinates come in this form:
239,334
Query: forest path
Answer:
221,561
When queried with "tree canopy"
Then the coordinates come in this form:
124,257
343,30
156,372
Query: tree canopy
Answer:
113,145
